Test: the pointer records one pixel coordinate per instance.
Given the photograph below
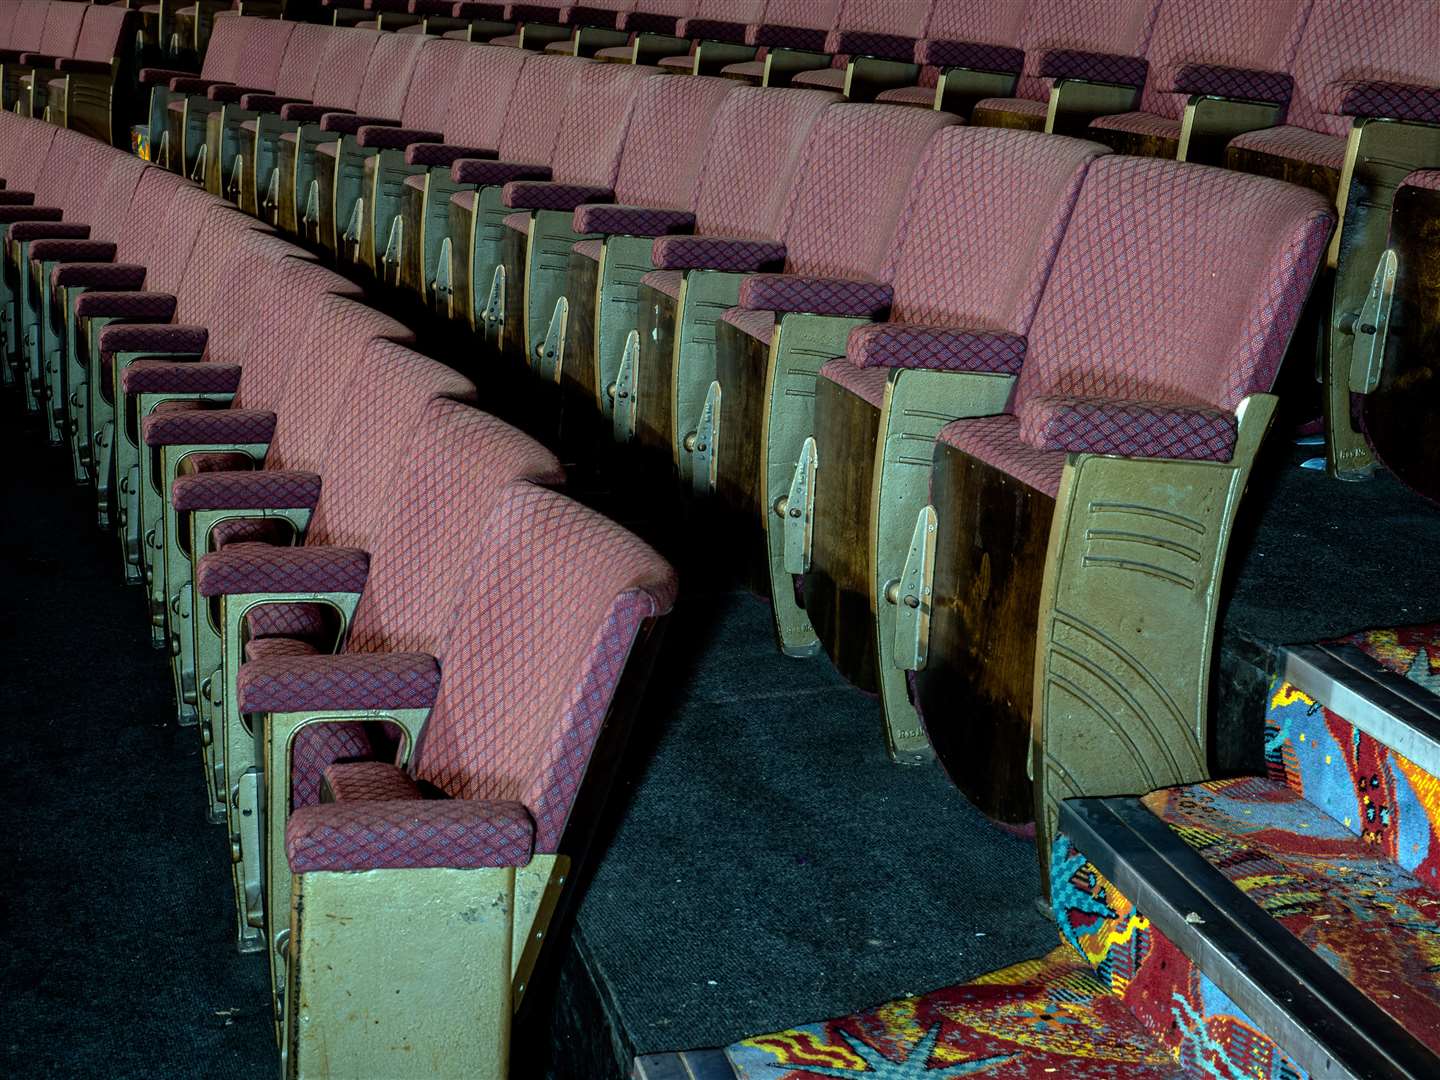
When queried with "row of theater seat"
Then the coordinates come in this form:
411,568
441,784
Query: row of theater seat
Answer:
68,62
417,659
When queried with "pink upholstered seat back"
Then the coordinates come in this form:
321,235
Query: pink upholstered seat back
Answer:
110,215
850,191
8,14
905,18
486,81
387,76
367,445
984,221
29,25
427,100
234,286
1121,27
62,27
458,466
597,119
1232,33
81,162
100,37
155,199
263,53
802,14
657,16
331,338
1382,40
542,99
542,634
986,22
756,148
344,67
28,145
668,136
1175,283
300,66
227,40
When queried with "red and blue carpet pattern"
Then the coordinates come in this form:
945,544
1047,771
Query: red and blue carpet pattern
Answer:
1336,891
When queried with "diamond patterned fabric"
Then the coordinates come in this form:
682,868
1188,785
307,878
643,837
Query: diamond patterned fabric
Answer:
1426,179
62,27
101,276
1234,82
262,53
261,489
388,73
408,834
938,348
139,337
222,54
631,220
1139,123
1175,284
368,781
858,18
541,637
393,138
665,281
667,141
1382,40
923,96
1301,144
486,80
437,155
100,33
820,296
973,22
1119,29
981,56
715,253
597,119
341,681
488,173
172,377
758,324
1400,101
1094,66
832,79
995,440
261,568
199,427
1231,33
850,191
795,24
1106,426
536,195
306,50
303,623
261,648
343,67
866,383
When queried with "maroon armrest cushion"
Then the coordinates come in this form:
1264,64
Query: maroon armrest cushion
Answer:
1387,100
30,225
348,123
433,155
1248,84
776,36
97,275
1094,67
220,427
148,338
368,781
75,251
814,295
232,93
154,306
259,489
438,7
394,138
484,173
544,195
37,59
16,198
732,33
1132,428
630,220
479,9
307,113
263,568
716,253
192,84
258,102
161,76
164,376
935,348
73,65
399,834
22,214
970,54
341,681
867,43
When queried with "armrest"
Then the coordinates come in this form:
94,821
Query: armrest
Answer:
1387,100
440,7
232,92
71,65
712,30
408,833
805,38
649,22
369,781
1094,67
341,681
269,102
159,376
345,122
479,9
166,337
16,198
716,253
161,76
490,173
866,43
260,489
232,427
816,296
262,568
1248,84
307,113
630,220
544,195
16,214
394,138
970,54
438,154
37,59
25,231
156,306
76,251
192,84
936,348
1133,428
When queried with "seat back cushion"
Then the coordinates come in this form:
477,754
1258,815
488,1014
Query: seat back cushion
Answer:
596,121
1122,28
486,80
541,101
665,146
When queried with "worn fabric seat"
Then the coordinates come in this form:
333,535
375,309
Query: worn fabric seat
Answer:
973,47
872,46
802,26
85,89
709,33
641,32
1106,44
520,746
1235,49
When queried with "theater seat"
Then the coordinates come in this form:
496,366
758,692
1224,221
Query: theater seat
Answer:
519,774
88,91
872,47
971,48
715,28
789,38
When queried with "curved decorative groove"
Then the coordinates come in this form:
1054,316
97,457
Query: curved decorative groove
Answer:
1149,511
1085,629
1142,717
1115,563
1117,729
1119,536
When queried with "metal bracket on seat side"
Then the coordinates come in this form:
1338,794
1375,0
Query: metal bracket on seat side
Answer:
1367,354
549,358
701,444
624,399
799,510
911,595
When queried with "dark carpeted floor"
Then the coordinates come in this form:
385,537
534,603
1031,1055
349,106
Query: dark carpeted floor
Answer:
771,866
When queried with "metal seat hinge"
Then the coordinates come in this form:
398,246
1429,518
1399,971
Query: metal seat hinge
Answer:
798,511
701,443
911,595
624,402
1371,326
